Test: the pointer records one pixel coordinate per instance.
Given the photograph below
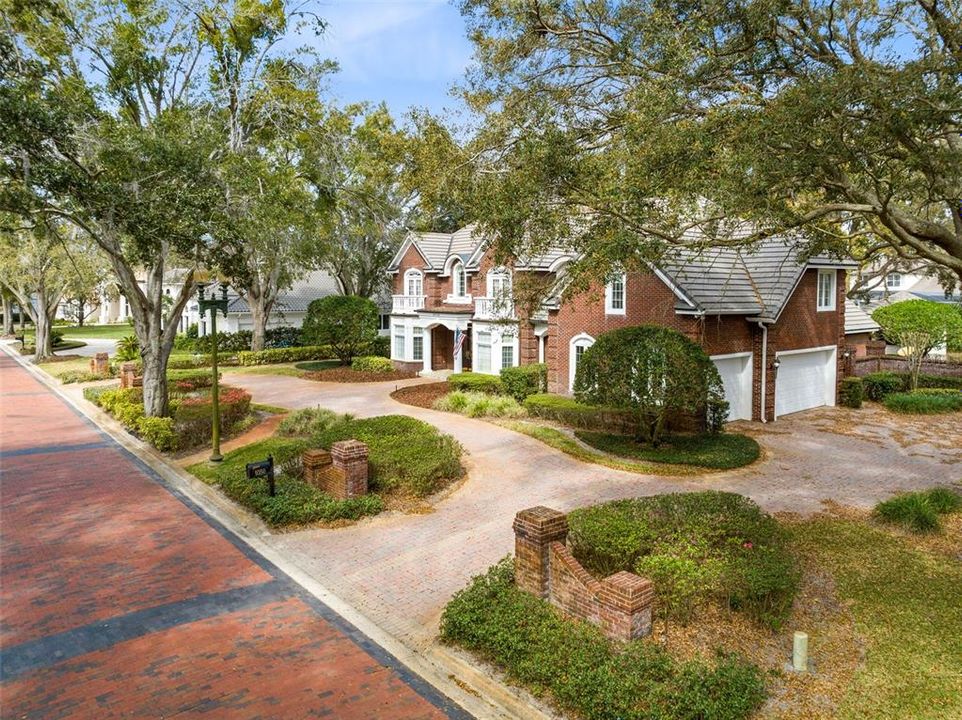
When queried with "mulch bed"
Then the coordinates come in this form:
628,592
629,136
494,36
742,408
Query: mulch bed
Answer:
422,395
347,375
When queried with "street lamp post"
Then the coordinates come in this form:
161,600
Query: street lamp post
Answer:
214,304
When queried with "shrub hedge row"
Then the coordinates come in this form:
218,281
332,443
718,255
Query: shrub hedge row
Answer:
476,382
880,384
851,392
525,380
925,401
568,411
284,355
372,363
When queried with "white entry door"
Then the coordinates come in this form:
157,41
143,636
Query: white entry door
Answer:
805,379
736,375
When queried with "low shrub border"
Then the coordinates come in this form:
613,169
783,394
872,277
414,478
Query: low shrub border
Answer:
477,404
476,382
851,392
284,355
723,451
925,402
524,380
568,411
582,671
880,384
296,501
372,364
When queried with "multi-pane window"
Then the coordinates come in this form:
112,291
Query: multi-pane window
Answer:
460,280
482,360
415,282
507,355
399,342
384,321
417,344
893,280
826,289
615,295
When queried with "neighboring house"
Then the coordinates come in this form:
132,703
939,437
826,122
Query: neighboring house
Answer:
859,328
774,326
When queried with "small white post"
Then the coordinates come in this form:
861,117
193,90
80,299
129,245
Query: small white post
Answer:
800,652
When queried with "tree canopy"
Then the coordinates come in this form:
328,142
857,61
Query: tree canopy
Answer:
622,126
347,323
919,326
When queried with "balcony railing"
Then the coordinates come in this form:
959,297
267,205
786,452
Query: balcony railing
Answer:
407,304
493,308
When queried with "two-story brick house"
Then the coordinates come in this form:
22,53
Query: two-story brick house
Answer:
773,324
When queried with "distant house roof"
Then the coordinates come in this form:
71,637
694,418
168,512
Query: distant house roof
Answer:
295,300
857,320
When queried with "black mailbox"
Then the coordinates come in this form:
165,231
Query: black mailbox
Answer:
263,469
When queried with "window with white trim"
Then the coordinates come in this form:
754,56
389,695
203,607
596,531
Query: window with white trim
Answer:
460,280
482,359
826,290
507,355
615,295
384,321
417,343
399,342
577,348
893,280
414,282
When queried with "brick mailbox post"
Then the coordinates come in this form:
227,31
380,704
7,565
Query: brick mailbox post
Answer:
621,604
100,364
129,377
342,472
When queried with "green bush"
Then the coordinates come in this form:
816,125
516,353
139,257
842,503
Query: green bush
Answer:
372,363
919,511
721,452
381,346
851,392
922,403
83,376
296,501
284,355
189,380
158,431
937,381
476,382
568,411
129,414
880,384
346,323
193,415
586,674
93,394
524,380
405,455
309,422
740,554
477,404
128,348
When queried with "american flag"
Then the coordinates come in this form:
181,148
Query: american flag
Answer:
459,338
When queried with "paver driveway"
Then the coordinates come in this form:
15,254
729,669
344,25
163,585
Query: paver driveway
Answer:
400,570
117,599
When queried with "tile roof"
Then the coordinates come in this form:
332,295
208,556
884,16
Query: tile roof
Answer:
857,320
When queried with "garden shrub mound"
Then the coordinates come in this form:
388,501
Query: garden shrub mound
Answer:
583,671
296,502
478,404
406,456
372,364
694,547
851,392
722,452
476,382
568,411
919,511
524,380
925,401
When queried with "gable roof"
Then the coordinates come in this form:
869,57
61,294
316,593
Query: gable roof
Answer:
436,248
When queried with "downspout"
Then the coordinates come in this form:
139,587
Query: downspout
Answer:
764,388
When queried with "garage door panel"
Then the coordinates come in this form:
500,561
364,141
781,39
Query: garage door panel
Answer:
804,380
736,375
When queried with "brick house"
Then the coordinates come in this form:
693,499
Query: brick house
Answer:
774,325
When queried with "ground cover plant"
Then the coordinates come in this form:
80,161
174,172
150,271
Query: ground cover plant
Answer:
406,456
696,548
919,511
932,401
583,672
721,451
296,502
479,404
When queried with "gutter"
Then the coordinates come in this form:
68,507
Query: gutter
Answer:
764,327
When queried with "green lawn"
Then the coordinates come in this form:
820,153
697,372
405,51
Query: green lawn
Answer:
104,332
905,598
719,452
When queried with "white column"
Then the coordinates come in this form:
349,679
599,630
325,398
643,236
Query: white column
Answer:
458,359
426,349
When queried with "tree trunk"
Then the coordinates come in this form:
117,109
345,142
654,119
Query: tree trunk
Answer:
80,312
259,316
7,315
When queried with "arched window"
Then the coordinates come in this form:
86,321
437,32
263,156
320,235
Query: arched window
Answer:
460,280
499,283
413,282
578,345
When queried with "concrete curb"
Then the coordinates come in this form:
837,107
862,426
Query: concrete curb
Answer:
464,683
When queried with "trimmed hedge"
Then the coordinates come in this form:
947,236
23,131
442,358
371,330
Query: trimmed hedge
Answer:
568,411
372,363
476,382
189,380
931,401
585,673
284,355
878,385
851,392
524,380
194,415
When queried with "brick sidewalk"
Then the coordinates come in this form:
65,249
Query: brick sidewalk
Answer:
120,599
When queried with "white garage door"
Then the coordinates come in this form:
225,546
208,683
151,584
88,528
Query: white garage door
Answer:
805,379
736,375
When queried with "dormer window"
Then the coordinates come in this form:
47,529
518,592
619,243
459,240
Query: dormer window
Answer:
460,280
615,295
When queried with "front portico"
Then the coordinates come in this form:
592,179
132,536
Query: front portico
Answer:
428,337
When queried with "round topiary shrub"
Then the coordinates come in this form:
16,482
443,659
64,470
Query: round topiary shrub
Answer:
655,373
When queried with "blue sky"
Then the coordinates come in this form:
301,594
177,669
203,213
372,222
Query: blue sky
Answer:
405,52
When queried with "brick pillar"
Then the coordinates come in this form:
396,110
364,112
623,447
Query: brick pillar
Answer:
314,463
626,604
350,457
128,374
100,364
534,530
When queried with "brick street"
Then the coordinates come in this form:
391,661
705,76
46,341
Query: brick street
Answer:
121,599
